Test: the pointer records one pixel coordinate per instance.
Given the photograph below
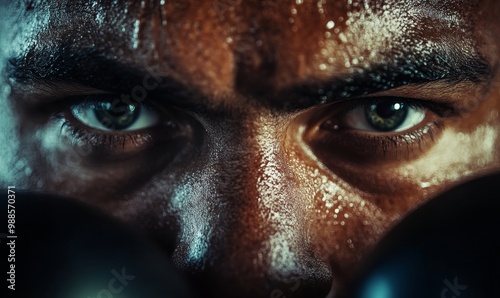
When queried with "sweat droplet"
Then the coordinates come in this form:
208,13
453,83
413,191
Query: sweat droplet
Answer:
330,25
135,37
342,37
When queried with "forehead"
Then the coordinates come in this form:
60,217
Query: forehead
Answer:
226,45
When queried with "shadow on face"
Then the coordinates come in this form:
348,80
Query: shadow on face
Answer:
267,146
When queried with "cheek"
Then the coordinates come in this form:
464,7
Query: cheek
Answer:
340,216
341,212
14,168
336,214
475,143
473,151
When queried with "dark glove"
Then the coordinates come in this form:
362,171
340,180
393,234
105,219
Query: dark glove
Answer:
448,248
65,249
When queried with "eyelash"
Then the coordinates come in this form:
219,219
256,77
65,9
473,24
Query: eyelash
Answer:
438,108
402,146
104,143
395,145
114,143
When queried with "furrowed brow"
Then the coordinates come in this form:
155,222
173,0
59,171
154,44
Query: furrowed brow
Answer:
89,68
445,67
84,67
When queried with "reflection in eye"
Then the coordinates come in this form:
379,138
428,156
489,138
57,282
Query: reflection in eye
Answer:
385,116
379,129
120,131
104,116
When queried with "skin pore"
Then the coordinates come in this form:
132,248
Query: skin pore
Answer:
256,172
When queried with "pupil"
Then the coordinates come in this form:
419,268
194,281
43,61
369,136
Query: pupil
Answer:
386,116
385,110
117,118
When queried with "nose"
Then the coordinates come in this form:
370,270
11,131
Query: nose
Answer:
244,222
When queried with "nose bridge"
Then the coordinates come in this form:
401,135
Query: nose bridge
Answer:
279,202
267,190
258,232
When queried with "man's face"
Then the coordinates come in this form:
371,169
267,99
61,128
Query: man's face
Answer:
267,145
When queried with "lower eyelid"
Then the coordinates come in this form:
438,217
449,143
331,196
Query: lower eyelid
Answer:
107,144
362,124
364,149
120,145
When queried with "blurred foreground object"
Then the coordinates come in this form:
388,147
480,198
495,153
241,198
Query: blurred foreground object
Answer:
447,248
65,249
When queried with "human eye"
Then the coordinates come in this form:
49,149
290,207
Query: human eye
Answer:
378,130
114,130
386,115
103,116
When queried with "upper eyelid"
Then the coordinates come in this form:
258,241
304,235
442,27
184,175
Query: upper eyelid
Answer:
47,92
115,74
439,108
360,102
110,98
69,101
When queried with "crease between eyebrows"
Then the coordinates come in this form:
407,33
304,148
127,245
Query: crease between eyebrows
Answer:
91,68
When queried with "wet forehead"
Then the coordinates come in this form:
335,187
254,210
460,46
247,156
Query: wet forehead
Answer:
221,46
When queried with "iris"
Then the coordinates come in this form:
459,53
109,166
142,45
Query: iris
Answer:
116,119
386,116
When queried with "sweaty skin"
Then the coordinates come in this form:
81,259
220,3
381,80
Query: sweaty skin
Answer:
254,181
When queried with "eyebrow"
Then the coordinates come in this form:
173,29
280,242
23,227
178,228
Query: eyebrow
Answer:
85,67
450,68
90,68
